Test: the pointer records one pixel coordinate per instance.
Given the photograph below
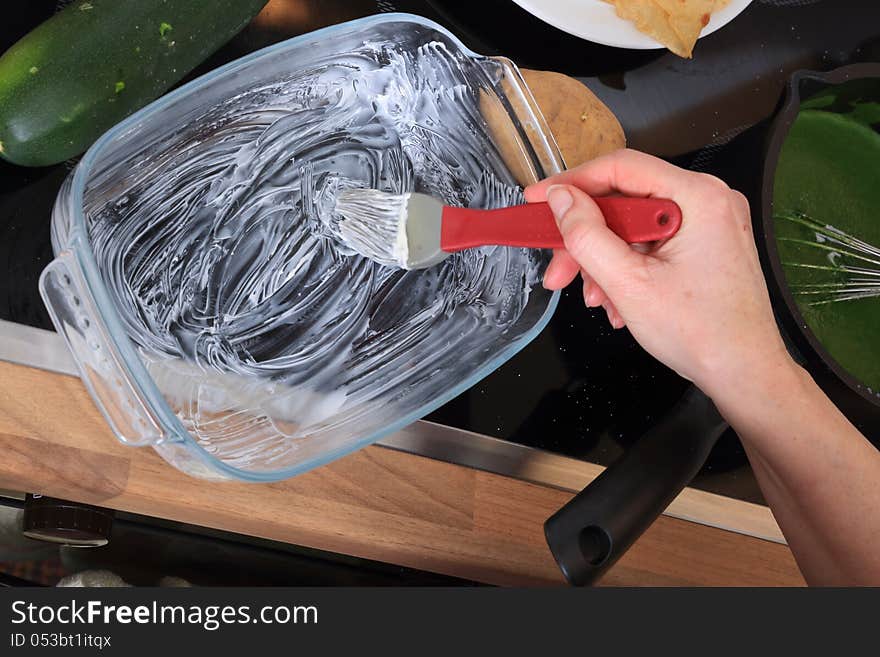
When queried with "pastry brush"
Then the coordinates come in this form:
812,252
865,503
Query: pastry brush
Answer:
415,231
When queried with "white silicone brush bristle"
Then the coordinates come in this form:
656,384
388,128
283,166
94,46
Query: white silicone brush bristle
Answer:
374,224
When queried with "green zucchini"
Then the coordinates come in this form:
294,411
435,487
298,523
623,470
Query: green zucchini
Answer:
97,61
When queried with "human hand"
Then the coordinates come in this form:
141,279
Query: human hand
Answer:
698,302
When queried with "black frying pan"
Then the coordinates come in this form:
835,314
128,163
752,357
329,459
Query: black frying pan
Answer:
861,406
590,533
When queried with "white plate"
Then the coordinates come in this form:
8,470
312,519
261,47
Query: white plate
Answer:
595,20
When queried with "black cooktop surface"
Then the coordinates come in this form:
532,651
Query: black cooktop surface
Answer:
580,389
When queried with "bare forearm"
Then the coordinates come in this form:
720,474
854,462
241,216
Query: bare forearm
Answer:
699,303
820,476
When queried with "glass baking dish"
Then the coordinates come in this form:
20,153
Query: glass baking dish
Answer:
199,283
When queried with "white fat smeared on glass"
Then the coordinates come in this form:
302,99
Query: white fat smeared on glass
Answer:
222,253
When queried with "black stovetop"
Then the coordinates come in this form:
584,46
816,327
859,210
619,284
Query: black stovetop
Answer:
580,389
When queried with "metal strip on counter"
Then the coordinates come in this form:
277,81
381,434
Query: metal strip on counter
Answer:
46,350
35,347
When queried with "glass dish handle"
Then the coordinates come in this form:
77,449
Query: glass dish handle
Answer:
101,367
533,132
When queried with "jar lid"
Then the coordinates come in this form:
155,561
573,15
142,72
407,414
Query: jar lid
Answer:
68,523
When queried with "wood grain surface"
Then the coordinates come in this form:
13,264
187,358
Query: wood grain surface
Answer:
377,503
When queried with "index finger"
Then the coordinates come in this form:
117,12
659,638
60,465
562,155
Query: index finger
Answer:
623,172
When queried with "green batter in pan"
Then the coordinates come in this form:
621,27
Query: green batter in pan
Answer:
826,212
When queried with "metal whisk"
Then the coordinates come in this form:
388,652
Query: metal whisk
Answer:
855,262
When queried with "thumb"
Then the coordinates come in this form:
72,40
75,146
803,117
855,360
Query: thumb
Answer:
595,247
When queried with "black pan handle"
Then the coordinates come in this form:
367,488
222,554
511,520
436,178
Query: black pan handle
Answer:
590,533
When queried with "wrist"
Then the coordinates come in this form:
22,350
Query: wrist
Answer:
749,381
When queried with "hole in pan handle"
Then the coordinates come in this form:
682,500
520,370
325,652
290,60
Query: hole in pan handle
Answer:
590,533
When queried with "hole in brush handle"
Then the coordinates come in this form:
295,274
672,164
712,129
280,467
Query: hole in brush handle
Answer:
532,225
641,220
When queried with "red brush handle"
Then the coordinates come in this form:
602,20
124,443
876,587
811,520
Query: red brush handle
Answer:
635,220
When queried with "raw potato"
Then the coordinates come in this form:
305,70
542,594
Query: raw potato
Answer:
583,125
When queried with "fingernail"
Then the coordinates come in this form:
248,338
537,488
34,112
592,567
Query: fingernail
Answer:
560,200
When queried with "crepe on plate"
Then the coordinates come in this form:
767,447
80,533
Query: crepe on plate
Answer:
674,23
